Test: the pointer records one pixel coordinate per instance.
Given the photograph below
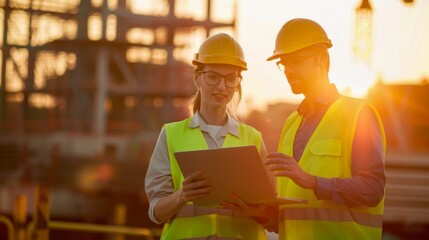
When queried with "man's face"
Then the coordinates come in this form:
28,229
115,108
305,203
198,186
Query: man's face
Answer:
301,69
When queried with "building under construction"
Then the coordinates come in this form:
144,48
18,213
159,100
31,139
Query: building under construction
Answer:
86,85
85,88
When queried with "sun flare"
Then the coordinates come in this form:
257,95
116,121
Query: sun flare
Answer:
359,83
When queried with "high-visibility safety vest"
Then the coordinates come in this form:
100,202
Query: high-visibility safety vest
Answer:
327,154
193,222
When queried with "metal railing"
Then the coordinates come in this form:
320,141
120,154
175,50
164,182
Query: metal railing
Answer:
9,225
95,228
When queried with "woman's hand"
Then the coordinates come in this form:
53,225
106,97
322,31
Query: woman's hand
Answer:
195,187
243,208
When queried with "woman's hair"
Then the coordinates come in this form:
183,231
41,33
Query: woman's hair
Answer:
233,106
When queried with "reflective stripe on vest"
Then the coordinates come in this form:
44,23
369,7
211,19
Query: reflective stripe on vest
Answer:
335,215
327,154
189,210
213,225
207,223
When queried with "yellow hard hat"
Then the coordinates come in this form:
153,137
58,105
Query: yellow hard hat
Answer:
299,33
220,48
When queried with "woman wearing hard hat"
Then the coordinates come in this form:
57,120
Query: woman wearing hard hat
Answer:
218,66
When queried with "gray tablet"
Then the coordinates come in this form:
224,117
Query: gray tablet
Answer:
234,170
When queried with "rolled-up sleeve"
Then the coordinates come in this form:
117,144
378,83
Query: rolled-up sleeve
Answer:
158,182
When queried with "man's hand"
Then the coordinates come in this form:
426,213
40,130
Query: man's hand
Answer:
286,166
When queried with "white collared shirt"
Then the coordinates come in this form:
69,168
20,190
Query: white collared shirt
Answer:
158,182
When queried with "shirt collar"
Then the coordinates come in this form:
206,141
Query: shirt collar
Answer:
324,100
231,125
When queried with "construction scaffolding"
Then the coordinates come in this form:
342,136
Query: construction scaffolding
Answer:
99,67
86,86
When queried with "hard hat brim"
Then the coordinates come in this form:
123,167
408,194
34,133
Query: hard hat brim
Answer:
219,59
275,56
327,44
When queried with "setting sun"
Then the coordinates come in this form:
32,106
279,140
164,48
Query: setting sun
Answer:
394,56
359,82
98,99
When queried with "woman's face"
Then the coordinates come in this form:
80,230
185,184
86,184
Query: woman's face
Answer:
218,84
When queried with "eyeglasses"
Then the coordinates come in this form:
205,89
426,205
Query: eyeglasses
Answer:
231,80
293,61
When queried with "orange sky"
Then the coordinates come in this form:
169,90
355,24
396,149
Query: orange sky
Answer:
400,37
400,44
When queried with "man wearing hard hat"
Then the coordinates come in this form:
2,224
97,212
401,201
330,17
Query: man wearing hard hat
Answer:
331,150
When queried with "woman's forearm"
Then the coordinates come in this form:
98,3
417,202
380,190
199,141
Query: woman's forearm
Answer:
169,206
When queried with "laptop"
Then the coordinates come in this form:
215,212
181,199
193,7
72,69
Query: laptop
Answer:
234,170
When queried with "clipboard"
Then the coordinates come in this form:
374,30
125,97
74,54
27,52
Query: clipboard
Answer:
234,170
